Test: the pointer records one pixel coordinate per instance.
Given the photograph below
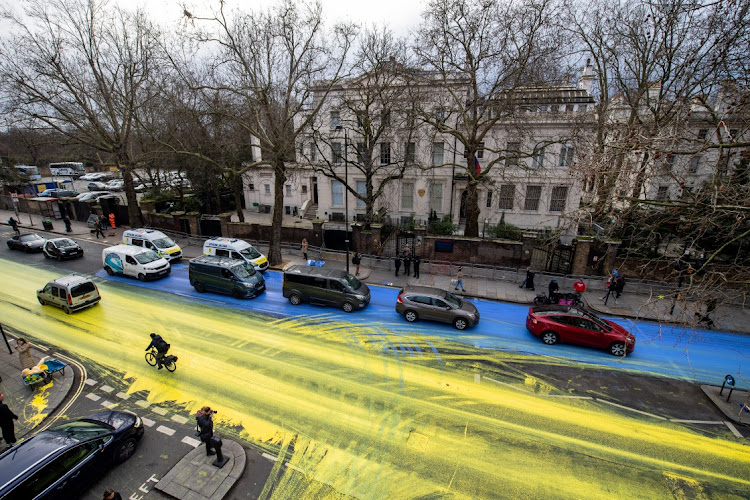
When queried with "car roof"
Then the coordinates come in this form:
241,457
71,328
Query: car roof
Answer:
315,271
71,279
127,249
217,261
426,290
26,454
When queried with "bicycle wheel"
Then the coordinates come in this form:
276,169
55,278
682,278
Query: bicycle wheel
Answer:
150,358
170,365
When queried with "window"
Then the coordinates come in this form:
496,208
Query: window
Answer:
569,108
533,193
489,199
385,153
361,153
511,155
694,164
267,188
335,119
558,198
337,193
336,153
537,160
407,195
304,189
251,187
362,191
437,153
409,152
222,253
288,190
440,115
663,193
507,193
566,155
480,151
668,163
314,152
702,133
436,197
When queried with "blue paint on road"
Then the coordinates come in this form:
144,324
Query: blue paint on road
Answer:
694,355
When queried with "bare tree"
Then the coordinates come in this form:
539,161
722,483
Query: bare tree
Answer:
475,54
78,67
270,61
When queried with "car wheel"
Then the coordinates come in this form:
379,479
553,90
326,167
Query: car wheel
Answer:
141,277
46,255
66,309
41,301
59,258
295,299
126,450
550,338
347,307
617,349
411,316
538,301
237,294
109,271
460,323
199,287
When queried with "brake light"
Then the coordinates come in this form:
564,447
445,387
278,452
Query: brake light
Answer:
399,298
70,299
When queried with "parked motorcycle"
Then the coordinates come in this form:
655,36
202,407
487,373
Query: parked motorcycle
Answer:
571,299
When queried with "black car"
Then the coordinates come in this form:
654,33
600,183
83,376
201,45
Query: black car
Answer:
59,193
63,460
30,242
62,248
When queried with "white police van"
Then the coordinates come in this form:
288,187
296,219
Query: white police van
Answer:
236,249
153,240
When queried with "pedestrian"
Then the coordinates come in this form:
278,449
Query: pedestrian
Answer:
304,248
68,228
98,228
110,494
619,284
529,281
112,220
417,260
6,422
357,260
407,262
14,224
397,263
609,286
24,353
579,287
553,288
460,279
205,424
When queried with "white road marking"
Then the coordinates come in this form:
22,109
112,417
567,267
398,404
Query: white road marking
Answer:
122,395
165,430
192,442
91,381
733,429
159,411
179,419
269,457
705,422
148,422
107,389
108,404
142,403
93,397
631,409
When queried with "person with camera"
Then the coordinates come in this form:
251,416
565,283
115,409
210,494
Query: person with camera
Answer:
205,423
161,346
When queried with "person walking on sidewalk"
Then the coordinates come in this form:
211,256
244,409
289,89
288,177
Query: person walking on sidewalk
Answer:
68,228
6,422
579,287
24,353
610,287
357,260
397,263
14,224
98,228
460,279
529,281
110,494
304,248
553,288
417,260
204,421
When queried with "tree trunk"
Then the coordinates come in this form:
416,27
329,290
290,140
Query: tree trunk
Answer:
274,250
237,189
134,210
471,229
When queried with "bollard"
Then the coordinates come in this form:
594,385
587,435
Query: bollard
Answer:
221,460
728,381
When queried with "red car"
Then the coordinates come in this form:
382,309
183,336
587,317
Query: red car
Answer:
575,325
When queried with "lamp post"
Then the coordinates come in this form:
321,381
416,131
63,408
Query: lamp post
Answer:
346,192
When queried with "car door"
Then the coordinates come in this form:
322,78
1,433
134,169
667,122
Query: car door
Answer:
425,309
442,311
335,294
130,266
50,249
76,468
582,331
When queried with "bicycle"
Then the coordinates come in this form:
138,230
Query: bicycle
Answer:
169,361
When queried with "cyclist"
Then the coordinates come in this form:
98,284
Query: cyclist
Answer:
161,347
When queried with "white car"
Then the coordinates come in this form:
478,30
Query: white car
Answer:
88,177
91,195
116,185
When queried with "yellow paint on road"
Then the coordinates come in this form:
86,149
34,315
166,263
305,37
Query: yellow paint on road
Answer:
361,418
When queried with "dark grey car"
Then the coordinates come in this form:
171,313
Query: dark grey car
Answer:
434,304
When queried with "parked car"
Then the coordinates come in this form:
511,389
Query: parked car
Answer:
139,187
435,304
116,185
70,293
59,193
576,325
92,195
62,248
89,177
63,461
30,242
97,186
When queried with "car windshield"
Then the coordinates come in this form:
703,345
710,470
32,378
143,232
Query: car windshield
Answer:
596,319
82,429
30,237
147,256
165,242
65,243
243,271
250,253
452,299
353,282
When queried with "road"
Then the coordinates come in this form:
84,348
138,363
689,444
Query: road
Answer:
368,406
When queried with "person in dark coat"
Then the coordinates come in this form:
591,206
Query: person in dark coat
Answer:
110,494
529,281
397,263
619,285
553,289
14,224
6,422
161,346
417,260
205,422
68,228
407,264
98,228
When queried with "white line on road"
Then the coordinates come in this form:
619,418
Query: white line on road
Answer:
107,389
179,419
108,404
159,411
148,422
142,403
733,429
122,395
91,381
705,422
269,457
631,409
93,397
165,430
192,442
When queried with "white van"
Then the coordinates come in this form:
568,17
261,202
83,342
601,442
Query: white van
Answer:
134,261
153,240
236,249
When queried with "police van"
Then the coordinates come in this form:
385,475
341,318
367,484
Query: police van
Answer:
236,249
134,261
153,240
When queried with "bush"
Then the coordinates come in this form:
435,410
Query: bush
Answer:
505,231
443,227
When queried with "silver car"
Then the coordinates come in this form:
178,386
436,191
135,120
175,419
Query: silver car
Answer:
434,304
70,293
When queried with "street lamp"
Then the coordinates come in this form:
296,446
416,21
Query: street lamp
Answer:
346,192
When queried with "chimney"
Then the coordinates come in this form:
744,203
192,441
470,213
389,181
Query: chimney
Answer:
586,81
